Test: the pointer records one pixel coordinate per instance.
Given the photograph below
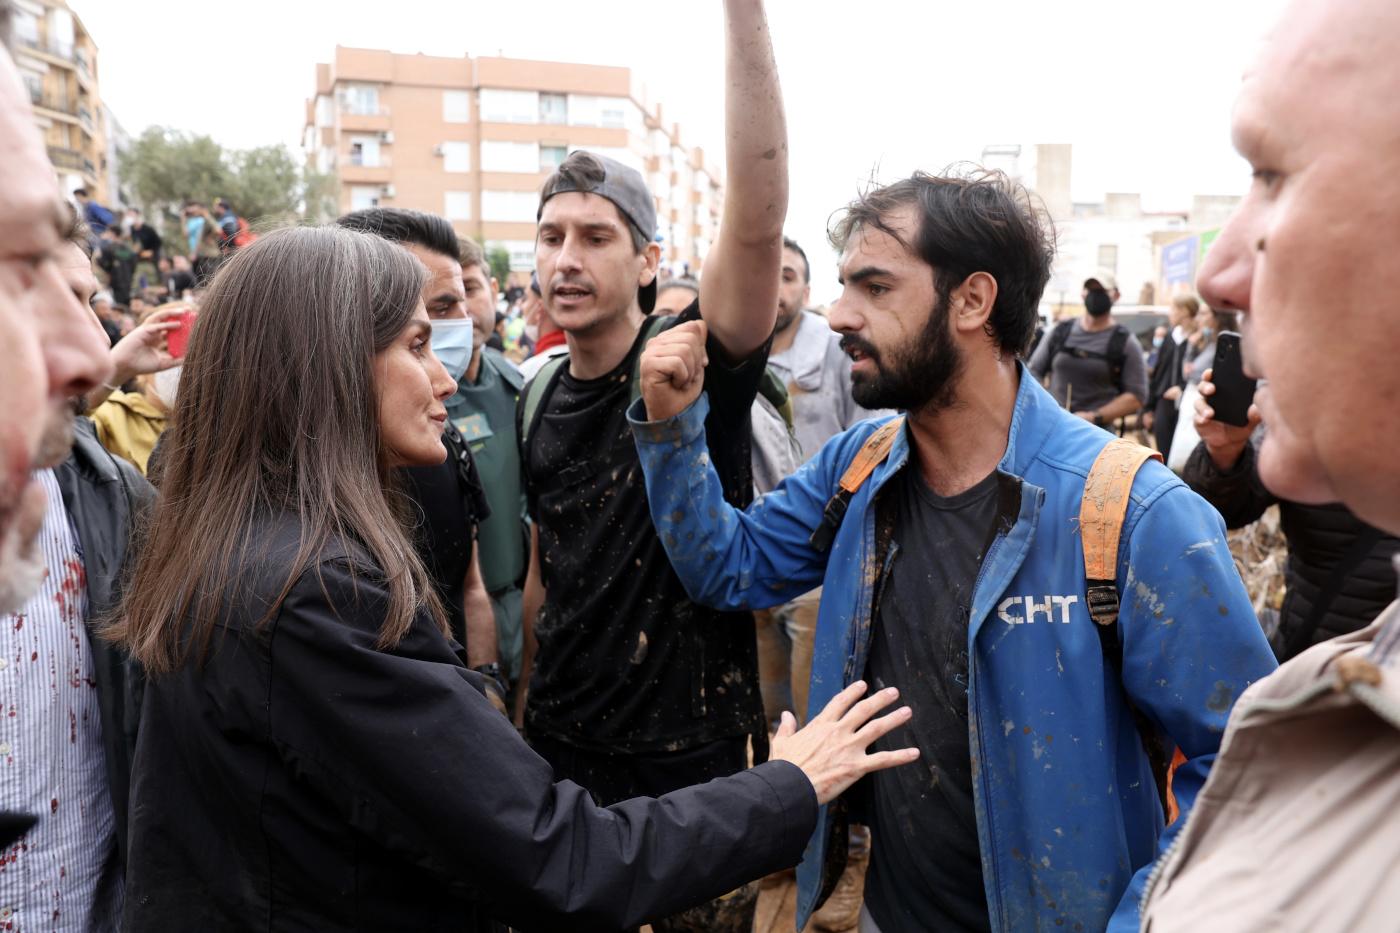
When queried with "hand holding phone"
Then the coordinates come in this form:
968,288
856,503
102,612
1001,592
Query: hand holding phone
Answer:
178,340
1234,391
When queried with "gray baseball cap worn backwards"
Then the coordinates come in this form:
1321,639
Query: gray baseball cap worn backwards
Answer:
624,187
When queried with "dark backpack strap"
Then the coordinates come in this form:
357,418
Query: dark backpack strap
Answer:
1117,353
1058,338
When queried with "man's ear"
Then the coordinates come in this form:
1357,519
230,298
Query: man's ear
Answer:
973,300
652,255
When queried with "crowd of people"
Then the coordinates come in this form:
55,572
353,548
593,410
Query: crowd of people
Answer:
341,591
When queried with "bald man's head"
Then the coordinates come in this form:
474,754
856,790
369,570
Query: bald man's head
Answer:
1310,253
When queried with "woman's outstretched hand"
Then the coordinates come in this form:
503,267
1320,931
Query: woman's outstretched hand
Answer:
831,749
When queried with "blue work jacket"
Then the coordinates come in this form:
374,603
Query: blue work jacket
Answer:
1068,814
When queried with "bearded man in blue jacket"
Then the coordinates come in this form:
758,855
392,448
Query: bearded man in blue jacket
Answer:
957,575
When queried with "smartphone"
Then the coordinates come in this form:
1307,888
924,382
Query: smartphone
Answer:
177,341
1234,391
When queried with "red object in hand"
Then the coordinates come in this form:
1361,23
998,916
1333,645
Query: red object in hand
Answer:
178,340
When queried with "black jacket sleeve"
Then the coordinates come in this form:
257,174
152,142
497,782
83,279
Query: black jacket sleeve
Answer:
404,744
1237,494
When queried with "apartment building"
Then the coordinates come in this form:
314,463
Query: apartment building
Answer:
57,59
1115,235
474,138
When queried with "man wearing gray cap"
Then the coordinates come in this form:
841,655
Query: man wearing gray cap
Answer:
635,689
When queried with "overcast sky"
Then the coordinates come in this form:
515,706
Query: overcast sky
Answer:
1142,89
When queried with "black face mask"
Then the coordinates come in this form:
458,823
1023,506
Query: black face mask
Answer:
1097,302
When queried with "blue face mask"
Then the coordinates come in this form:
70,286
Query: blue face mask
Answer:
452,344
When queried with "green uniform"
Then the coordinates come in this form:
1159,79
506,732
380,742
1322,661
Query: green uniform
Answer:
484,411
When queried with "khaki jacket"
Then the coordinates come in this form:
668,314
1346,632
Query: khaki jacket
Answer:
1298,825
129,425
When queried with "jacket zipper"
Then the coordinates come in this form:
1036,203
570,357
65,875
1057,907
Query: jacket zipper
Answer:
977,714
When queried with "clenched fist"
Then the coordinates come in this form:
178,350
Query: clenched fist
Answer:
673,370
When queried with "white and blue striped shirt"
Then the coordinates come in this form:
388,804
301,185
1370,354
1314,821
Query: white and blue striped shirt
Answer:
63,874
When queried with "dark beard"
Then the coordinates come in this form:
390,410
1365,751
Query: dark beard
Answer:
786,320
921,376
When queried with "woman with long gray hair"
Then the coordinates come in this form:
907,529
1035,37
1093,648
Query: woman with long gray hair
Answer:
313,752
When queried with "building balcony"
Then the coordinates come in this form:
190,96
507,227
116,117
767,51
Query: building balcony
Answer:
60,53
351,174
55,106
360,160
71,160
376,121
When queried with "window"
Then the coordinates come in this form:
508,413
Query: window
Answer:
554,108
26,28
456,157
612,111
499,106
509,206
456,107
499,156
457,205
522,253
364,151
361,99
1108,258
325,113
34,82
551,157
364,196
587,110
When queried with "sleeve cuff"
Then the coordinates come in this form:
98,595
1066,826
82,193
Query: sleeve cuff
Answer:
684,428
795,795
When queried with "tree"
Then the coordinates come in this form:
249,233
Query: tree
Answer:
266,185
499,258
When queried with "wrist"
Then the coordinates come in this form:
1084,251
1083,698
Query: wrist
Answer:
494,677
1098,418
1225,456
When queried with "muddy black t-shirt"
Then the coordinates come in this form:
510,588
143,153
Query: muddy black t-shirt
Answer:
925,865
626,662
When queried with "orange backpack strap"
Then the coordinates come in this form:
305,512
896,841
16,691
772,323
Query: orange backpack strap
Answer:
1101,514
871,454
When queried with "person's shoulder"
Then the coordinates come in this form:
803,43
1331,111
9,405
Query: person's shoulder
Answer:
510,373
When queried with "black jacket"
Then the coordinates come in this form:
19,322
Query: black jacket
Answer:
105,497
1339,574
301,779
1167,372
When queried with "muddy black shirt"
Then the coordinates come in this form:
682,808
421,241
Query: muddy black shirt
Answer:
926,866
626,662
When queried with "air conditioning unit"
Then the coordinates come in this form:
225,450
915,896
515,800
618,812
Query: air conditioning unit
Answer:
388,191
438,150
387,136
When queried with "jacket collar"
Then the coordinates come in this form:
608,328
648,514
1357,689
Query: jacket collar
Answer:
806,358
1033,417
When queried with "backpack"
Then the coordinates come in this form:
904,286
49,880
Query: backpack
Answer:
1101,512
1115,354
245,234
770,387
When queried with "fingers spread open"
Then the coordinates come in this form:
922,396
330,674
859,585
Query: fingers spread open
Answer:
841,703
884,725
871,705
